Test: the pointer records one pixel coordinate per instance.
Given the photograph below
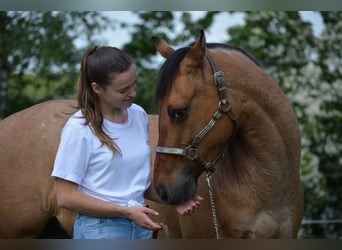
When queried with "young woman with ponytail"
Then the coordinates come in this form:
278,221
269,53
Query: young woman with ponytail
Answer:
102,168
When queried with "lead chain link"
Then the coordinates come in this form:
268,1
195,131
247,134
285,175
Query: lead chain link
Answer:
212,203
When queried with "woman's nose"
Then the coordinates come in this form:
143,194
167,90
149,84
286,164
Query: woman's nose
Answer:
132,92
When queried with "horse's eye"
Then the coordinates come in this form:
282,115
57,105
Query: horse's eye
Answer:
177,115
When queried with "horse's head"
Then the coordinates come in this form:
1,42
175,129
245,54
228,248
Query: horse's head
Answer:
195,119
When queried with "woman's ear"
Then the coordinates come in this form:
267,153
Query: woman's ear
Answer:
96,88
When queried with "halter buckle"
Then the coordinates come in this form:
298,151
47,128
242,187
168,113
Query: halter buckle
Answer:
218,74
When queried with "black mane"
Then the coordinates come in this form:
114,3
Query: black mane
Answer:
170,67
232,47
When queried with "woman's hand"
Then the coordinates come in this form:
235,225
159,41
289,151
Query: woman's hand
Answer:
68,196
140,216
189,206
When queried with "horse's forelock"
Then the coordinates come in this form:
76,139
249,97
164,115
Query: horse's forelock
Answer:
168,71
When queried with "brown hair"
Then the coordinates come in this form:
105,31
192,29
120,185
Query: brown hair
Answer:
100,65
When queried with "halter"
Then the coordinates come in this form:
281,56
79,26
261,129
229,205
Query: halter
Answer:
224,107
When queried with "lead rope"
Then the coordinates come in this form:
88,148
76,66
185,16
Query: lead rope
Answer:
212,203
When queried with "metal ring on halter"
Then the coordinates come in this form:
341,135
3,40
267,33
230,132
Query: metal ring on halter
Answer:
224,106
223,102
192,152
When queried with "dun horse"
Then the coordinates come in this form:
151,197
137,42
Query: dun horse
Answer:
224,122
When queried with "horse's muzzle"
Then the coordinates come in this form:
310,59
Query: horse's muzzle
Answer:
177,194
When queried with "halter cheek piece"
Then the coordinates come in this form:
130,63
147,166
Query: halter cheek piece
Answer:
224,107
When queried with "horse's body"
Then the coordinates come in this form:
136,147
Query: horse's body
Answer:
254,148
29,141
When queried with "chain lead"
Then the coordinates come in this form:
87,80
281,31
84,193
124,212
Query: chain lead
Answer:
212,203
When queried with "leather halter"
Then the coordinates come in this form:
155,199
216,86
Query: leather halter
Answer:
224,107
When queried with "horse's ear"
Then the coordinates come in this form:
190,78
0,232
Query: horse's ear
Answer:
162,46
197,52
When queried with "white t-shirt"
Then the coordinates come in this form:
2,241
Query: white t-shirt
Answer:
121,180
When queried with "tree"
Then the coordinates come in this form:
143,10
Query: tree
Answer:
326,133
38,54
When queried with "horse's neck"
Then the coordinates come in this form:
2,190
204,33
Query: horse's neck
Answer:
256,153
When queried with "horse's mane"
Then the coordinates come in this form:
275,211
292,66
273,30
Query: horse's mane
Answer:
232,47
170,67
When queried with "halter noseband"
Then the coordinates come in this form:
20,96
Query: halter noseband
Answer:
191,151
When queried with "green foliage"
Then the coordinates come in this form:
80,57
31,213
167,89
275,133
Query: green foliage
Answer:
41,44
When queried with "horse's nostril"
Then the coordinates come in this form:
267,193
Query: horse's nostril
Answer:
163,193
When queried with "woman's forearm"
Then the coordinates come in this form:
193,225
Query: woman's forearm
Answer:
70,198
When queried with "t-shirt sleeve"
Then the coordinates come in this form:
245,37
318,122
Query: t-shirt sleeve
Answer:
73,154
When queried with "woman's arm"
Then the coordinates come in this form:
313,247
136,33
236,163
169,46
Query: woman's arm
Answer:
69,197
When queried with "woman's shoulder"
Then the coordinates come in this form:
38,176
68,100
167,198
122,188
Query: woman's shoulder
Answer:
77,124
136,109
76,119
137,112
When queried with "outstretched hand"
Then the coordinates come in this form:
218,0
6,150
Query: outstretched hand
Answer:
189,206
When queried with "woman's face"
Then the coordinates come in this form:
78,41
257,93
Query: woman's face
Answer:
120,93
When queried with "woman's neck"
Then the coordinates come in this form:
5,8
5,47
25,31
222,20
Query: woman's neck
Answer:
118,116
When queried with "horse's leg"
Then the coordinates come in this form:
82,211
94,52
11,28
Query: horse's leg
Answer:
66,219
59,227
61,223
61,220
54,230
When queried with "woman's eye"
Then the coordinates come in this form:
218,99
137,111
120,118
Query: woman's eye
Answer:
177,115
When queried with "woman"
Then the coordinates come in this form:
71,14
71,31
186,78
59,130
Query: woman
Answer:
102,168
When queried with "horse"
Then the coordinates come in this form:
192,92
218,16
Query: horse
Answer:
228,133
29,142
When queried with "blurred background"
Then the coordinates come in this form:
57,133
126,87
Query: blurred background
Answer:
40,54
